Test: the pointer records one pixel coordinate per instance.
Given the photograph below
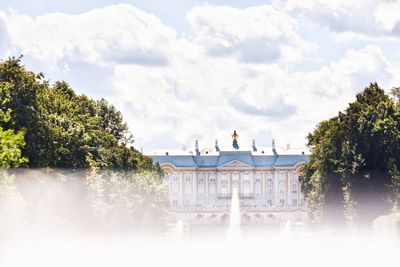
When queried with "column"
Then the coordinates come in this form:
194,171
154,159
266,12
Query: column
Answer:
263,185
288,191
229,183
206,191
276,188
194,189
181,193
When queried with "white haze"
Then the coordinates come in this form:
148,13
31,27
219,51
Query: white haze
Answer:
60,218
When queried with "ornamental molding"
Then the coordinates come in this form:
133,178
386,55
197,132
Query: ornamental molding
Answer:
235,164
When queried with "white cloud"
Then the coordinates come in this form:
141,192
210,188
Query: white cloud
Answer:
387,15
261,34
361,17
116,34
332,87
4,36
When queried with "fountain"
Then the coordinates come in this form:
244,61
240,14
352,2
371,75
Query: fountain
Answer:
234,233
287,228
177,231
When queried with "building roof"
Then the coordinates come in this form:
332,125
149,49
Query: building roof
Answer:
263,157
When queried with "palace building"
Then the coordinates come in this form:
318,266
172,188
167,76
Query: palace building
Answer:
201,182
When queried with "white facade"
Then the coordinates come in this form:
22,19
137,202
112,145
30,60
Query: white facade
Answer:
209,190
201,192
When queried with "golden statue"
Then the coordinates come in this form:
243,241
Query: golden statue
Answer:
235,137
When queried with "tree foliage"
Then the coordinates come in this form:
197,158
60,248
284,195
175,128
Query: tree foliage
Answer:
10,142
352,173
52,126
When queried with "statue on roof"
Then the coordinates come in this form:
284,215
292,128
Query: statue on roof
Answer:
235,137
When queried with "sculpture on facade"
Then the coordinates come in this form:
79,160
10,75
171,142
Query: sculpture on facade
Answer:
235,137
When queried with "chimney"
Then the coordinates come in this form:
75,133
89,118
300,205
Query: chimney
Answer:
196,147
216,145
254,145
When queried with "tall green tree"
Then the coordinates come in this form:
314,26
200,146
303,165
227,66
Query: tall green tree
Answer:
10,142
355,157
63,129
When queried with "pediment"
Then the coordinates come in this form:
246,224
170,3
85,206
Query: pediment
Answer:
235,164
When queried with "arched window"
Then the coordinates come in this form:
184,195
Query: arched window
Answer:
257,188
200,188
224,188
211,188
294,188
175,189
269,189
224,177
246,188
188,188
282,189
166,177
235,185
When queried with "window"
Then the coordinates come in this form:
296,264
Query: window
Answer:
294,202
224,177
282,189
200,189
175,177
175,189
235,185
175,203
211,188
258,188
294,188
246,188
166,177
188,178
224,188
200,180
269,189
269,202
281,202
188,188
187,203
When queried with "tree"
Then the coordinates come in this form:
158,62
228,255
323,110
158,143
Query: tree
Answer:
354,161
10,142
22,90
63,129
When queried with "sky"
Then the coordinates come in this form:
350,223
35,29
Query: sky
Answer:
189,69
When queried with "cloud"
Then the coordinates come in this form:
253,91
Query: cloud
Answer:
387,16
254,34
326,91
364,17
4,36
117,34
277,110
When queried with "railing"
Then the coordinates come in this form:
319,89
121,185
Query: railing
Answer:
229,195
242,209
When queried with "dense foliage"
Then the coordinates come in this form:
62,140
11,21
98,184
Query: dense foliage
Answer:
55,127
353,172
80,168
